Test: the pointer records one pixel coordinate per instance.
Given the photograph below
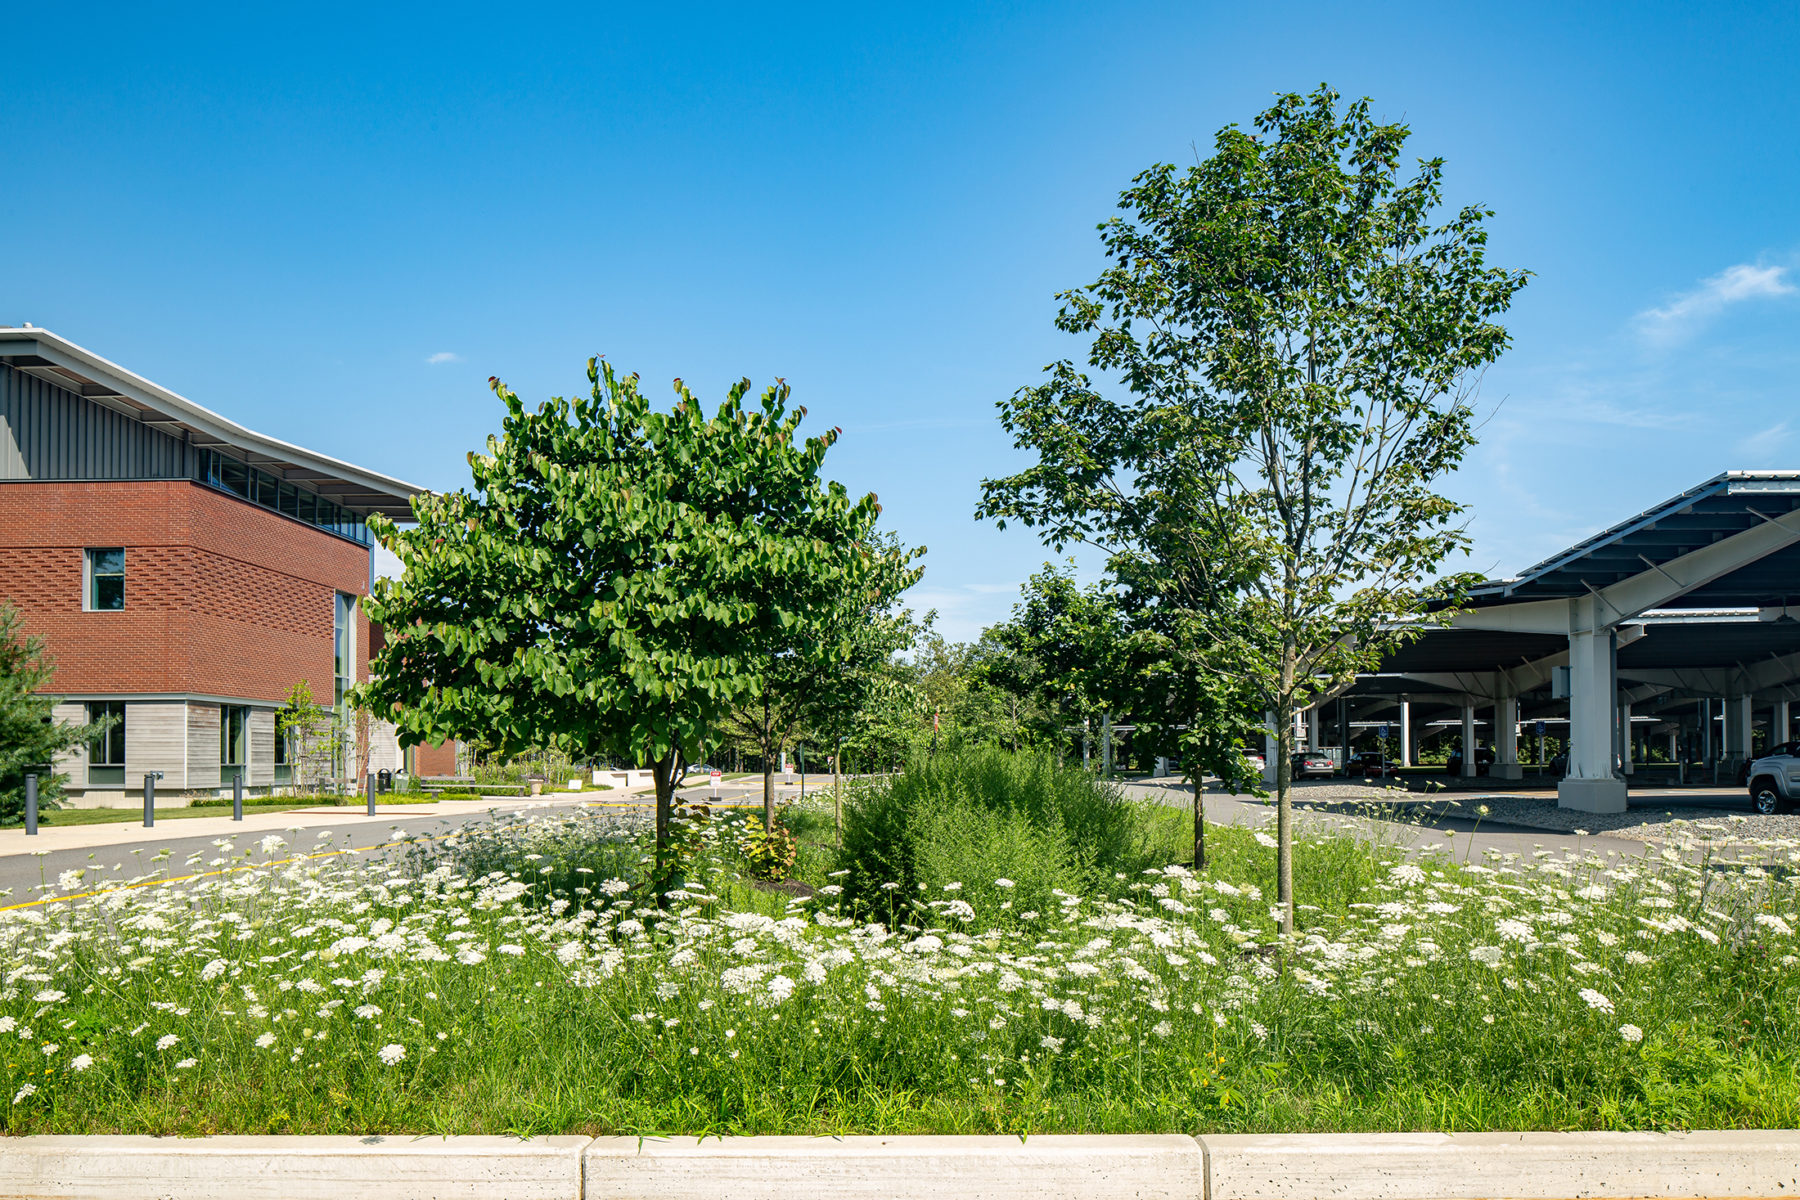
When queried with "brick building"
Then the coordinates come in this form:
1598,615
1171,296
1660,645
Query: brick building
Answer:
185,573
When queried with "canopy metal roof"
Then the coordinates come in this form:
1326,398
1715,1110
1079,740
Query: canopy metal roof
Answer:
43,354
1715,510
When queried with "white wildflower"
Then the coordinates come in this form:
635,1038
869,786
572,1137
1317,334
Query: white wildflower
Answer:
1596,1000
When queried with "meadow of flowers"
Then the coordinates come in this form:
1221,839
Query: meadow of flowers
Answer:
518,979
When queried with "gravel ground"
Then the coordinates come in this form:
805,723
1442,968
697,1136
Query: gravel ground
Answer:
1645,822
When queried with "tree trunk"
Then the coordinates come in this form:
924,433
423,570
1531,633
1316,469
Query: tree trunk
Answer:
1284,815
663,772
768,791
1199,822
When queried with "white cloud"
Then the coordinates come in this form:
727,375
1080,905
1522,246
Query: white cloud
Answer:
444,356
1690,310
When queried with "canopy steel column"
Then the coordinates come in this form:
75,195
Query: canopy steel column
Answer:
1706,732
1506,739
1625,747
1468,741
1590,785
1406,742
1783,730
1737,728
1312,727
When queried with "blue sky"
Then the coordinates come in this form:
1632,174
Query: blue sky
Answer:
334,223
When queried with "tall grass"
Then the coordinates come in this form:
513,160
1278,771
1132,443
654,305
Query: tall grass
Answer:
966,819
483,992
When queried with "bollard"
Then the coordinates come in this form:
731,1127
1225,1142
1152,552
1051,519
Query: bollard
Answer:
31,805
150,778
237,796
369,789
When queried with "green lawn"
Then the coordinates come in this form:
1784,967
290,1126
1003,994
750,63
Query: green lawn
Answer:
133,816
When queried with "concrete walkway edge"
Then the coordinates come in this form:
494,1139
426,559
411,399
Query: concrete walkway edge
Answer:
1378,1166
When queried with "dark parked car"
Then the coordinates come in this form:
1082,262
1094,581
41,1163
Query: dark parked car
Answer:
1370,764
1484,758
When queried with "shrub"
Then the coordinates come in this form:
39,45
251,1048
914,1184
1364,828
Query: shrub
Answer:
743,839
972,817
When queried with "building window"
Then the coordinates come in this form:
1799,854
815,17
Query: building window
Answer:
344,676
105,580
284,770
106,753
260,487
234,738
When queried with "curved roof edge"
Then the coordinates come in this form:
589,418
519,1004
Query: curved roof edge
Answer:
1726,483
102,381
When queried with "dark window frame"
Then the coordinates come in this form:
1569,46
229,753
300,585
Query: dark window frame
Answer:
110,745
240,744
92,577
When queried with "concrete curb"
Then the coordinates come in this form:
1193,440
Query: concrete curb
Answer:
292,1168
1376,1166
1051,1167
1516,1166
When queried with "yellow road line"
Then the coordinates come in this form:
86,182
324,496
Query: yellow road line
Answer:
274,862
280,862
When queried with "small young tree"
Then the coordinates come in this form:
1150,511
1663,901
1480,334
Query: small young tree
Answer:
311,734
30,737
829,670
1300,344
618,580
1062,647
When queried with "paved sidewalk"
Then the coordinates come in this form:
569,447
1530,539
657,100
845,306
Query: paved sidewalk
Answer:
130,829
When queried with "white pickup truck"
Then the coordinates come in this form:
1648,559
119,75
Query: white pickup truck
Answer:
1775,779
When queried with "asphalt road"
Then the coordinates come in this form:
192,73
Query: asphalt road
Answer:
22,871
1467,837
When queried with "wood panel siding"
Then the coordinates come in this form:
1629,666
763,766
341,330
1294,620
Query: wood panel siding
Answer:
156,740
202,746
72,763
262,748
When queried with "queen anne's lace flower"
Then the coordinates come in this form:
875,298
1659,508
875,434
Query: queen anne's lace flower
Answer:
1596,1000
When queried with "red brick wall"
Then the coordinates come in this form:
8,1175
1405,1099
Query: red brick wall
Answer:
435,760
222,597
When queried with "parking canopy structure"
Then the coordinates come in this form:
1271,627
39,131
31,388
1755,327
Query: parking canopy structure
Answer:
1682,621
